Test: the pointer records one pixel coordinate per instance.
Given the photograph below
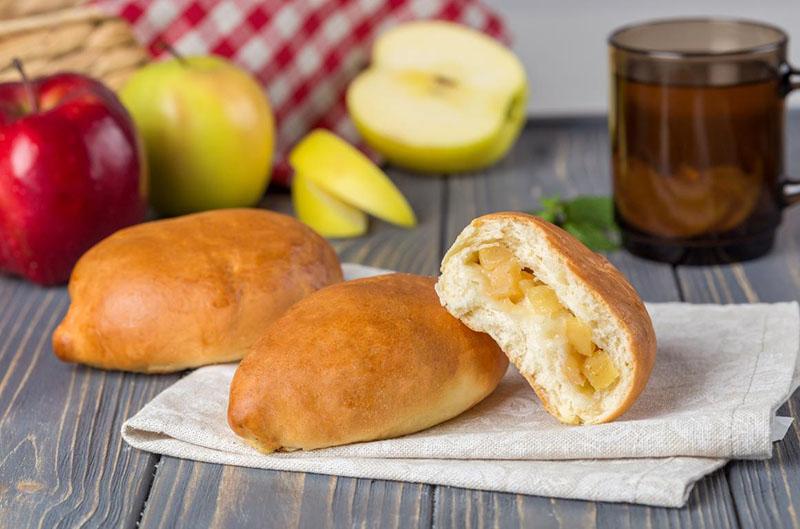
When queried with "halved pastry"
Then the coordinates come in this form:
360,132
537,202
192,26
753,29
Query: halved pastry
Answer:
362,360
179,293
566,317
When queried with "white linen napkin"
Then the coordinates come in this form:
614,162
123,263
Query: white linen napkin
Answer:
721,372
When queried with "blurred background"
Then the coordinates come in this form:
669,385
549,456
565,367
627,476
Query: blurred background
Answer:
562,43
440,97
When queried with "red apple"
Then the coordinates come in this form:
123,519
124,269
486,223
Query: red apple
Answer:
71,172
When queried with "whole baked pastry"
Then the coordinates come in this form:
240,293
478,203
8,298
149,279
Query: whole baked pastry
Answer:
568,320
178,293
362,360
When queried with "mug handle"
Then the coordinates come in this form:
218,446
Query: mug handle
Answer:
790,187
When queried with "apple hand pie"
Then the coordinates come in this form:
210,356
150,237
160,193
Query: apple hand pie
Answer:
361,360
568,320
184,292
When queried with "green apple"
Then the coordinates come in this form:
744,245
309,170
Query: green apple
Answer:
324,213
208,132
439,97
340,170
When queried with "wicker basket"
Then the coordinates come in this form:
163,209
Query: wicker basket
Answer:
22,8
80,39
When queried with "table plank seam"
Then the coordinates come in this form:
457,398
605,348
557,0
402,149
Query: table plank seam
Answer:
435,498
678,283
148,489
734,499
443,213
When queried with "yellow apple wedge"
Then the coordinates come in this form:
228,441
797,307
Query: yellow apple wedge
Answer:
339,169
324,213
439,97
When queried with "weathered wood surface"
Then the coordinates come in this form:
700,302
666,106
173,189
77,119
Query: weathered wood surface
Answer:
193,495
62,459
63,463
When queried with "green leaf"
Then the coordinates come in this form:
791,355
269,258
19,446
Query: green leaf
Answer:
548,215
592,236
552,209
553,202
589,218
596,211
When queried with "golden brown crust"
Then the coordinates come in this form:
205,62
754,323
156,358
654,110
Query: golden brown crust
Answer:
610,287
178,293
362,360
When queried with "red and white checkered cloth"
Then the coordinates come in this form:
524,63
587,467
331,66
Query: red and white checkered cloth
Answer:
305,52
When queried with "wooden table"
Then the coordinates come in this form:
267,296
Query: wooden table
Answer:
64,464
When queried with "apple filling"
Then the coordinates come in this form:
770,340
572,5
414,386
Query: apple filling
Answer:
584,364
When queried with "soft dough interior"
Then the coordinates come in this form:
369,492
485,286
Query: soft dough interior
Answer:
560,350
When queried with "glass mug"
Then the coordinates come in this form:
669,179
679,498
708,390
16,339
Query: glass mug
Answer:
697,124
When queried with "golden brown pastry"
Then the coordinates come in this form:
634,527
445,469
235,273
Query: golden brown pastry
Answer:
184,292
367,359
568,320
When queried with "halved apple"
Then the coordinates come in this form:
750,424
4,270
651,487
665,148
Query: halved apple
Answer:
324,213
439,97
340,170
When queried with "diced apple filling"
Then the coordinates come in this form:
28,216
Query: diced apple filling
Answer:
600,370
506,279
503,272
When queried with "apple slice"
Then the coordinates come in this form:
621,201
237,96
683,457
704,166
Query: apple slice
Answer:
439,97
342,171
324,213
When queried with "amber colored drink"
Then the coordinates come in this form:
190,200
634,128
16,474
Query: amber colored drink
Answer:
696,128
697,163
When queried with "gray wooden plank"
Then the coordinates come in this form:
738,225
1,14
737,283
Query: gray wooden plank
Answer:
766,493
62,461
710,506
459,508
565,157
189,494
193,494
467,509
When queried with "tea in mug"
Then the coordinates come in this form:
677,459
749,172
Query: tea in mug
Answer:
697,162
696,126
